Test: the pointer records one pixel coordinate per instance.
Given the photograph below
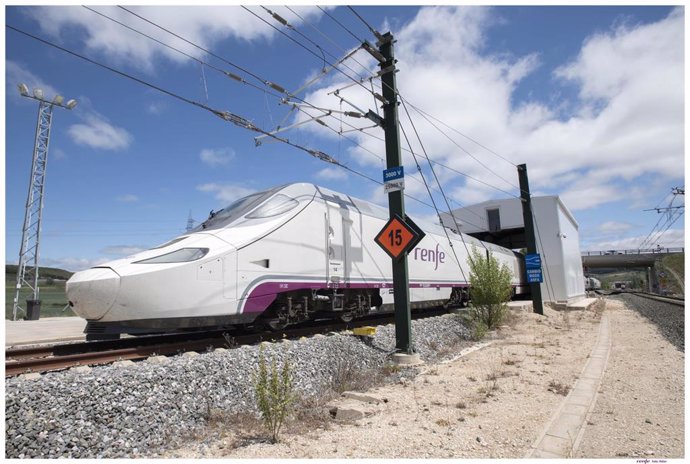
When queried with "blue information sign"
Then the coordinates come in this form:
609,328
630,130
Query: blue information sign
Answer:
533,261
534,276
533,267
393,173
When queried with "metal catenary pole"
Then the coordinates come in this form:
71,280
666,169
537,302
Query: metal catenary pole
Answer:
529,233
27,271
396,202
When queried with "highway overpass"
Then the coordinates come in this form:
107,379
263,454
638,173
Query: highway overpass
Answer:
625,258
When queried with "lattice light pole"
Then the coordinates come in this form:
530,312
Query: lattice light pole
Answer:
27,271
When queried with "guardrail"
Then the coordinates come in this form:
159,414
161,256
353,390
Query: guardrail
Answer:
657,251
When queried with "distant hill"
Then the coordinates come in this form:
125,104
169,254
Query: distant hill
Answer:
43,272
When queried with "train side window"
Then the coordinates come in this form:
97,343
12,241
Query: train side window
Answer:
276,205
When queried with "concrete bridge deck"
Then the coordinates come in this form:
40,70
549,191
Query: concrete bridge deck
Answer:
626,258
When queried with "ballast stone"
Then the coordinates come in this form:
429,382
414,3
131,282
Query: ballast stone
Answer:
125,363
106,404
81,369
362,397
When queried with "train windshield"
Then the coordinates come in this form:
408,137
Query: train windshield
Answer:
219,219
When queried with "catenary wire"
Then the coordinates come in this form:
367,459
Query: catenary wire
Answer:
445,229
302,45
340,24
225,115
345,74
376,33
431,167
427,115
261,79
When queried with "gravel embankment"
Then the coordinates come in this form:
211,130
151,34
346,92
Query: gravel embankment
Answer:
670,319
136,411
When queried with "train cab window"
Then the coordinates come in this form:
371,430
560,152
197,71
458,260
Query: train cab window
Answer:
183,255
220,219
279,204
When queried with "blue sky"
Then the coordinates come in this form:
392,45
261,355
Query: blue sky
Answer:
591,98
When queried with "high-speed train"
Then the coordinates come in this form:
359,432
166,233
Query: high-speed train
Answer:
276,257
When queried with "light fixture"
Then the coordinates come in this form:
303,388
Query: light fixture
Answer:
38,93
23,89
71,104
58,99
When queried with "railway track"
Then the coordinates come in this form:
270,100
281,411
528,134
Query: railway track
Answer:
649,296
665,299
62,356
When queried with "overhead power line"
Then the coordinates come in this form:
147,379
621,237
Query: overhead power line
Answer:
340,24
225,115
266,82
376,33
300,44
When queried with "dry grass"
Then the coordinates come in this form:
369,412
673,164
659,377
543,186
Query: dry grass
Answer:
558,388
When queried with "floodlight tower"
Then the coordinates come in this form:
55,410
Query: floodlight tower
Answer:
27,271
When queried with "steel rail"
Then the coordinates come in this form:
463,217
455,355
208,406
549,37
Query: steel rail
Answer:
664,299
63,356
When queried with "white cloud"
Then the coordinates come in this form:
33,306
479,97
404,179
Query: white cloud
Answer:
202,25
157,107
221,156
672,238
226,193
128,198
331,173
97,132
626,132
613,227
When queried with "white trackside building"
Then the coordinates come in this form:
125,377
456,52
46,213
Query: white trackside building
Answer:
280,256
556,230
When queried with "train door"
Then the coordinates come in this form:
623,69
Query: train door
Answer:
336,249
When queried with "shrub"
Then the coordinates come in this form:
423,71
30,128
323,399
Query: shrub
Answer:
274,391
479,330
490,288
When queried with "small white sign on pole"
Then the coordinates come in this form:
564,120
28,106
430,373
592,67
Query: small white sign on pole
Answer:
393,179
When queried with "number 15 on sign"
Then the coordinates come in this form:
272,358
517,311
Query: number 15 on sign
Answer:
398,236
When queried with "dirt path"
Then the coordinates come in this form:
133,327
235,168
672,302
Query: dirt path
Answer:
494,402
640,407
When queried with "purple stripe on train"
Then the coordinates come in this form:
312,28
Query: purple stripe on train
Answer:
264,294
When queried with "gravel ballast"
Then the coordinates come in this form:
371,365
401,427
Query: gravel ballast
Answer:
669,318
136,411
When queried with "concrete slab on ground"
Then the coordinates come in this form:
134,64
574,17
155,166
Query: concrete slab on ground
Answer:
49,329
520,305
583,304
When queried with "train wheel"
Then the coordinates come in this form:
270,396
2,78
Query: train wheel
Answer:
347,317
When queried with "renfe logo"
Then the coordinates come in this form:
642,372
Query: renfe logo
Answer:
434,256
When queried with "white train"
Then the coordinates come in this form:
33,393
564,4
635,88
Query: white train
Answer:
280,256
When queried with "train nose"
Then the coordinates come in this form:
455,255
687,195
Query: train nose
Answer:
92,292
